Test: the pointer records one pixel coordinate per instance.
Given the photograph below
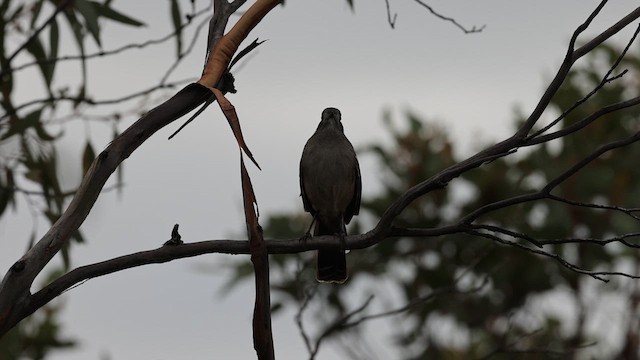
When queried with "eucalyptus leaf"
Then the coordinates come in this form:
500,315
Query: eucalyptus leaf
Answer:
104,10
177,25
90,15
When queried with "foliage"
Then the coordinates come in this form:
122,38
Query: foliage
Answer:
29,162
491,294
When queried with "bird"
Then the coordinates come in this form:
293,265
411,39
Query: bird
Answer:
331,188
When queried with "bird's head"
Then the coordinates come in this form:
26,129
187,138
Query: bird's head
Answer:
331,119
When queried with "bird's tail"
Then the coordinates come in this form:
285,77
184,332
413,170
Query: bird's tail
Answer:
332,263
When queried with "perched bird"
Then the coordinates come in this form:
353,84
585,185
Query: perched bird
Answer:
330,187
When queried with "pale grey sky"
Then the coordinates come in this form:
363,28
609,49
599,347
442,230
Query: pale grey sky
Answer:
319,54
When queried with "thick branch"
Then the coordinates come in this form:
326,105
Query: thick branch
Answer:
18,280
14,288
229,43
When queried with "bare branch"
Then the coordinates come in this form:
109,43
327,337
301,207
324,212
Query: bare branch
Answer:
584,122
598,275
605,80
546,190
222,10
88,100
392,22
308,295
511,233
451,20
338,325
629,211
571,57
182,56
448,290
601,242
509,348
572,240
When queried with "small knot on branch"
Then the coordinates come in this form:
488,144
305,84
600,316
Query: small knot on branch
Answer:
175,237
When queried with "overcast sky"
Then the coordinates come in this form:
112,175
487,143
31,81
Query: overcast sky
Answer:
319,54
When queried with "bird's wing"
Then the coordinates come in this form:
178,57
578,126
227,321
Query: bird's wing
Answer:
305,199
354,205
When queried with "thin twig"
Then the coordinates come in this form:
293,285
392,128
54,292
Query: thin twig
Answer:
90,101
7,65
474,29
392,21
546,190
598,275
115,51
605,80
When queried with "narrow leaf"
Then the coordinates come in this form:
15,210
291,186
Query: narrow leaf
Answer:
6,193
120,169
16,13
232,117
54,37
50,172
35,48
350,2
90,15
104,10
177,26
35,13
21,125
87,157
78,34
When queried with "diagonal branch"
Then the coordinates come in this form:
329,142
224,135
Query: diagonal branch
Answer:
570,58
605,80
512,143
546,190
446,18
14,288
583,123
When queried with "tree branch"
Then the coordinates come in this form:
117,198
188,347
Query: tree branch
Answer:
104,53
449,19
598,275
571,57
605,80
14,288
546,190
